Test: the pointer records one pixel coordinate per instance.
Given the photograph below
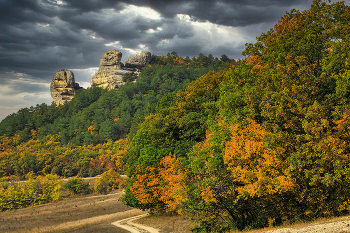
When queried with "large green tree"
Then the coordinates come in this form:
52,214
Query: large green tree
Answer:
278,148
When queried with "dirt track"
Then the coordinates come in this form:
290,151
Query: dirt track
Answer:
97,213
84,214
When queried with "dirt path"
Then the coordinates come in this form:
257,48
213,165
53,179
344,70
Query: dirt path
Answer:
97,213
83,214
132,227
332,227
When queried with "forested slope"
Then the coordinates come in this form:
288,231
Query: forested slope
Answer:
83,134
260,143
247,144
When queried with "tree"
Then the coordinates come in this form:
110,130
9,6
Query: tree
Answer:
77,186
263,142
290,86
179,123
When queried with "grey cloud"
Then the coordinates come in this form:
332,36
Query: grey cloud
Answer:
234,52
40,37
169,30
10,104
224,12
48,36
26,87
190,49
20,82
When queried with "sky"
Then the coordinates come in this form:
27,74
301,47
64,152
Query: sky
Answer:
41,37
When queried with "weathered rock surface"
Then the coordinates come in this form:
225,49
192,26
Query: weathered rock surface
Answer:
111,71
63,86
111,59
139,59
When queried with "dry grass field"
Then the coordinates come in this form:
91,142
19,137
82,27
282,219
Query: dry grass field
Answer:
95,213
82,214
168,223
90,213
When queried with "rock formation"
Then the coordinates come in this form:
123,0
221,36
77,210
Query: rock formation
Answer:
139,59
63,86
110,73
111,59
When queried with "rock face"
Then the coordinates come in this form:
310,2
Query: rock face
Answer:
111,59
110,73
139,59
63,86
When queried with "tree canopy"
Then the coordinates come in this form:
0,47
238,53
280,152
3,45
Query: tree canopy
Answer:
88,135
266,142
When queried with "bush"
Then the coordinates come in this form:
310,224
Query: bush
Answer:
110,180
56,171
91,172
84,172
37,190
77,186
68,171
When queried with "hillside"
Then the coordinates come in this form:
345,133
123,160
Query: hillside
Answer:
264,142
234,146
89,132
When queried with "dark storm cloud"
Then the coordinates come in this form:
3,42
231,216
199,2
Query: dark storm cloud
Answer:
49,34
109,25
16,88
40,37
224,12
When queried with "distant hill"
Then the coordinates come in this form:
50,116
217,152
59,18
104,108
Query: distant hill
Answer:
111,114
89,134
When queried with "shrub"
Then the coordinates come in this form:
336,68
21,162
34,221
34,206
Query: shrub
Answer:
68,171
110,180
37,190
91,172
56,171
84,172
77,186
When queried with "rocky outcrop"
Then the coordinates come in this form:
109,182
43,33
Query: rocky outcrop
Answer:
111,59
139,59
63,86
111,71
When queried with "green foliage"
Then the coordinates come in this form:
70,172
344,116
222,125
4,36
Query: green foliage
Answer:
37,190
129,77
83,137
84,172
56,171
260,143
77,186
110,180
180,121
95,116
47,155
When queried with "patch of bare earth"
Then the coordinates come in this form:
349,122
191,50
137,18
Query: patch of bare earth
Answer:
180,224
331,225
82,214
167,223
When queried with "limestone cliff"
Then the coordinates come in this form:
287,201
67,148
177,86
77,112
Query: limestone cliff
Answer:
139,59
63,86
110,73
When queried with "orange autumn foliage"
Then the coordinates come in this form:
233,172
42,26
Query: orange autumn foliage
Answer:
41,156
260,168
173,189
146,186
208,195
165,184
